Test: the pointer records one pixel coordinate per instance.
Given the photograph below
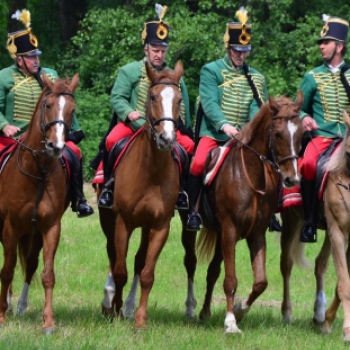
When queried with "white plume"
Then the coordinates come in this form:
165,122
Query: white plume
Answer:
325,17
159,10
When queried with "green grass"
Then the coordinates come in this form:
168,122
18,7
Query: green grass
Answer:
81,269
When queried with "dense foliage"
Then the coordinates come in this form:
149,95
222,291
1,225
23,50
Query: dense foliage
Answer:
283,40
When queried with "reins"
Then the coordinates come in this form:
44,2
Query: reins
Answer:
35,152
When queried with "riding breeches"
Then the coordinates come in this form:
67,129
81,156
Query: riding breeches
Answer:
122,130
198,162
307,163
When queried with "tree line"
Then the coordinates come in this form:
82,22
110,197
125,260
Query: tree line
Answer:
96,37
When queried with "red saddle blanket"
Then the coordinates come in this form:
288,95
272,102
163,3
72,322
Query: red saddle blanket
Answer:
99,175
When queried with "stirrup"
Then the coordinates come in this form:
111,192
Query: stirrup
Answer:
182,201
106,199
194,222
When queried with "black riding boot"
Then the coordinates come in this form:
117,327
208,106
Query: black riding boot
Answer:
309,231
182,200
79,203
106,197
194,186
275,224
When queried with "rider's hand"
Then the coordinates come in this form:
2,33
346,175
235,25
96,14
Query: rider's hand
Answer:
229,130
10,130
309,124
134,115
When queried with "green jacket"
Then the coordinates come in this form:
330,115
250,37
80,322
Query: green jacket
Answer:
226,97
129,93
325,99
19,94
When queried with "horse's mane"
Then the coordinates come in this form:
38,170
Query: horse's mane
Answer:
256,125
261,121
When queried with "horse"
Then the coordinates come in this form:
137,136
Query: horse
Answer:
145,193
34,196
335,207
243,197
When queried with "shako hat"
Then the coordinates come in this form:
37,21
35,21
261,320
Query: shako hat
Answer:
334,28
22,42
238,34
156,31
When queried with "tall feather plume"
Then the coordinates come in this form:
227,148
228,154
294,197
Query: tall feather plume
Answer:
242,15
161,10
325,17
23,16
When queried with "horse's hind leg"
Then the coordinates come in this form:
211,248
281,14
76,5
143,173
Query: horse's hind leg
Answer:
139,263
321,265
213,274
35,244
188,239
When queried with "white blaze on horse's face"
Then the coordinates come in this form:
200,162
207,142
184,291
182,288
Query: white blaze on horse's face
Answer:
292,128
166,139
60,126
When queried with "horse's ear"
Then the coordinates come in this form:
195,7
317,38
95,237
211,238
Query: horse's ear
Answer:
74,82
274,106
346,119
179,70
48,83
150,73
300,99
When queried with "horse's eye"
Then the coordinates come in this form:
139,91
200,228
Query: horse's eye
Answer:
180,101
153,98
48,107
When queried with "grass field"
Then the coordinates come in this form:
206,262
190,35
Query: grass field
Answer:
81,269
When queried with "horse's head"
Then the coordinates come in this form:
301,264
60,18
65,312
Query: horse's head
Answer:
57,108
163,105
286,134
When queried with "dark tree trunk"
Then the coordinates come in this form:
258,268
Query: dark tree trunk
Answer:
71,12
14,25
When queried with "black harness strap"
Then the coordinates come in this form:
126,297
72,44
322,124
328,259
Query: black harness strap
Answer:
251,84
344,80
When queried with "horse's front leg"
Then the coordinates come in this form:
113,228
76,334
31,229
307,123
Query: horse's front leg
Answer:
342,293
50,244
321,265
257,248
120,273
157,239
229,241
188,239
9,242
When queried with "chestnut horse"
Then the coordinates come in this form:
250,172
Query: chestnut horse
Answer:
33,196
243,197
336,209
145,193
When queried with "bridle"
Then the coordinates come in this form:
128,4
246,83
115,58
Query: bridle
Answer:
154,122
275,162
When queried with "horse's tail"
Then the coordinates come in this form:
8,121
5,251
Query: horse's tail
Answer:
26,244
206,244
297,253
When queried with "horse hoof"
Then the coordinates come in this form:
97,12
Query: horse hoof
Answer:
107,312
48,330
232,329
325,328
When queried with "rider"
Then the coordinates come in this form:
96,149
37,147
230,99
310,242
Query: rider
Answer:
20,87
129,96
326,95
230,94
